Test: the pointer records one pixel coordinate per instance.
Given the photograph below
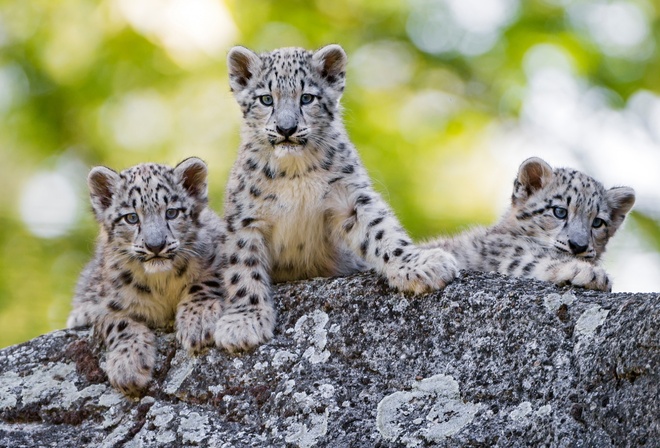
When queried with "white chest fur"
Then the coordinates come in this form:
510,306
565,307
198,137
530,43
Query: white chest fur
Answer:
298,240
156,296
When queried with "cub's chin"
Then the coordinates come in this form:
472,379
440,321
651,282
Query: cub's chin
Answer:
157,266
288,149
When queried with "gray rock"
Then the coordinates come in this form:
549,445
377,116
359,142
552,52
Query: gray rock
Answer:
490,361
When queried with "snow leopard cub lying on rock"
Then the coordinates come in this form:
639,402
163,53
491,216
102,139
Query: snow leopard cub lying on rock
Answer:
158,260
299,202
556,229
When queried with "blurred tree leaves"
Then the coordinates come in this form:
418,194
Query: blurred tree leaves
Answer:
649,226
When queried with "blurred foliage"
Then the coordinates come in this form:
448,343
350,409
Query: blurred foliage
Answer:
119,82
650,227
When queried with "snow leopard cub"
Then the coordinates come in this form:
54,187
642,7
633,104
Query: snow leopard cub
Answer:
299,202
157,260
556,229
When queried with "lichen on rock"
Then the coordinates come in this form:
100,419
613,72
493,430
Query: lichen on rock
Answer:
433,411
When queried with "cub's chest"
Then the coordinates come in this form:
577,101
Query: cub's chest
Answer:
284,197
296,215
155,297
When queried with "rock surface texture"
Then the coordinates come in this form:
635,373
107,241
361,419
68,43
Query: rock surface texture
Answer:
490,361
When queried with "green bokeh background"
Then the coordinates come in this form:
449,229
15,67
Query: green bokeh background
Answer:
85,82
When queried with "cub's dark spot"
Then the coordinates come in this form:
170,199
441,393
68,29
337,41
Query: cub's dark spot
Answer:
115,306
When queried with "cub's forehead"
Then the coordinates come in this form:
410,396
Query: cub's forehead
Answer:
286,58
286,68
145,172
580,186
147,177
577,180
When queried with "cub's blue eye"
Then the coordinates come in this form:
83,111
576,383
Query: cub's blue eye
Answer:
597,223
266,100
171,213
560,212
306,98
132,218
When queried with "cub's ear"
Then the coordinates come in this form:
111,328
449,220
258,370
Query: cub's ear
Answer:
330,61
533,174
102,182
243,64
620,200
191,174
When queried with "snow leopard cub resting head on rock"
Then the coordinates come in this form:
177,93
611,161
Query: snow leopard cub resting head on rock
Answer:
157,260
568,209
556,229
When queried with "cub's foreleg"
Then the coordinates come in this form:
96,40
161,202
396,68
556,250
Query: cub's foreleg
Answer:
198,312
368,225
131,351
249,316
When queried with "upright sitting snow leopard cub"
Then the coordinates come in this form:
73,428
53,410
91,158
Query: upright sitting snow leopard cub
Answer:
556,229
157,260
299,203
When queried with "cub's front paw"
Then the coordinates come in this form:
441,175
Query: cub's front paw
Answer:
586,276
129,368
245,328
78,318
196,323
422,270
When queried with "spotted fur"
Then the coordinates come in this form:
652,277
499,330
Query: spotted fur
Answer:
556,229
299,202
158,260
